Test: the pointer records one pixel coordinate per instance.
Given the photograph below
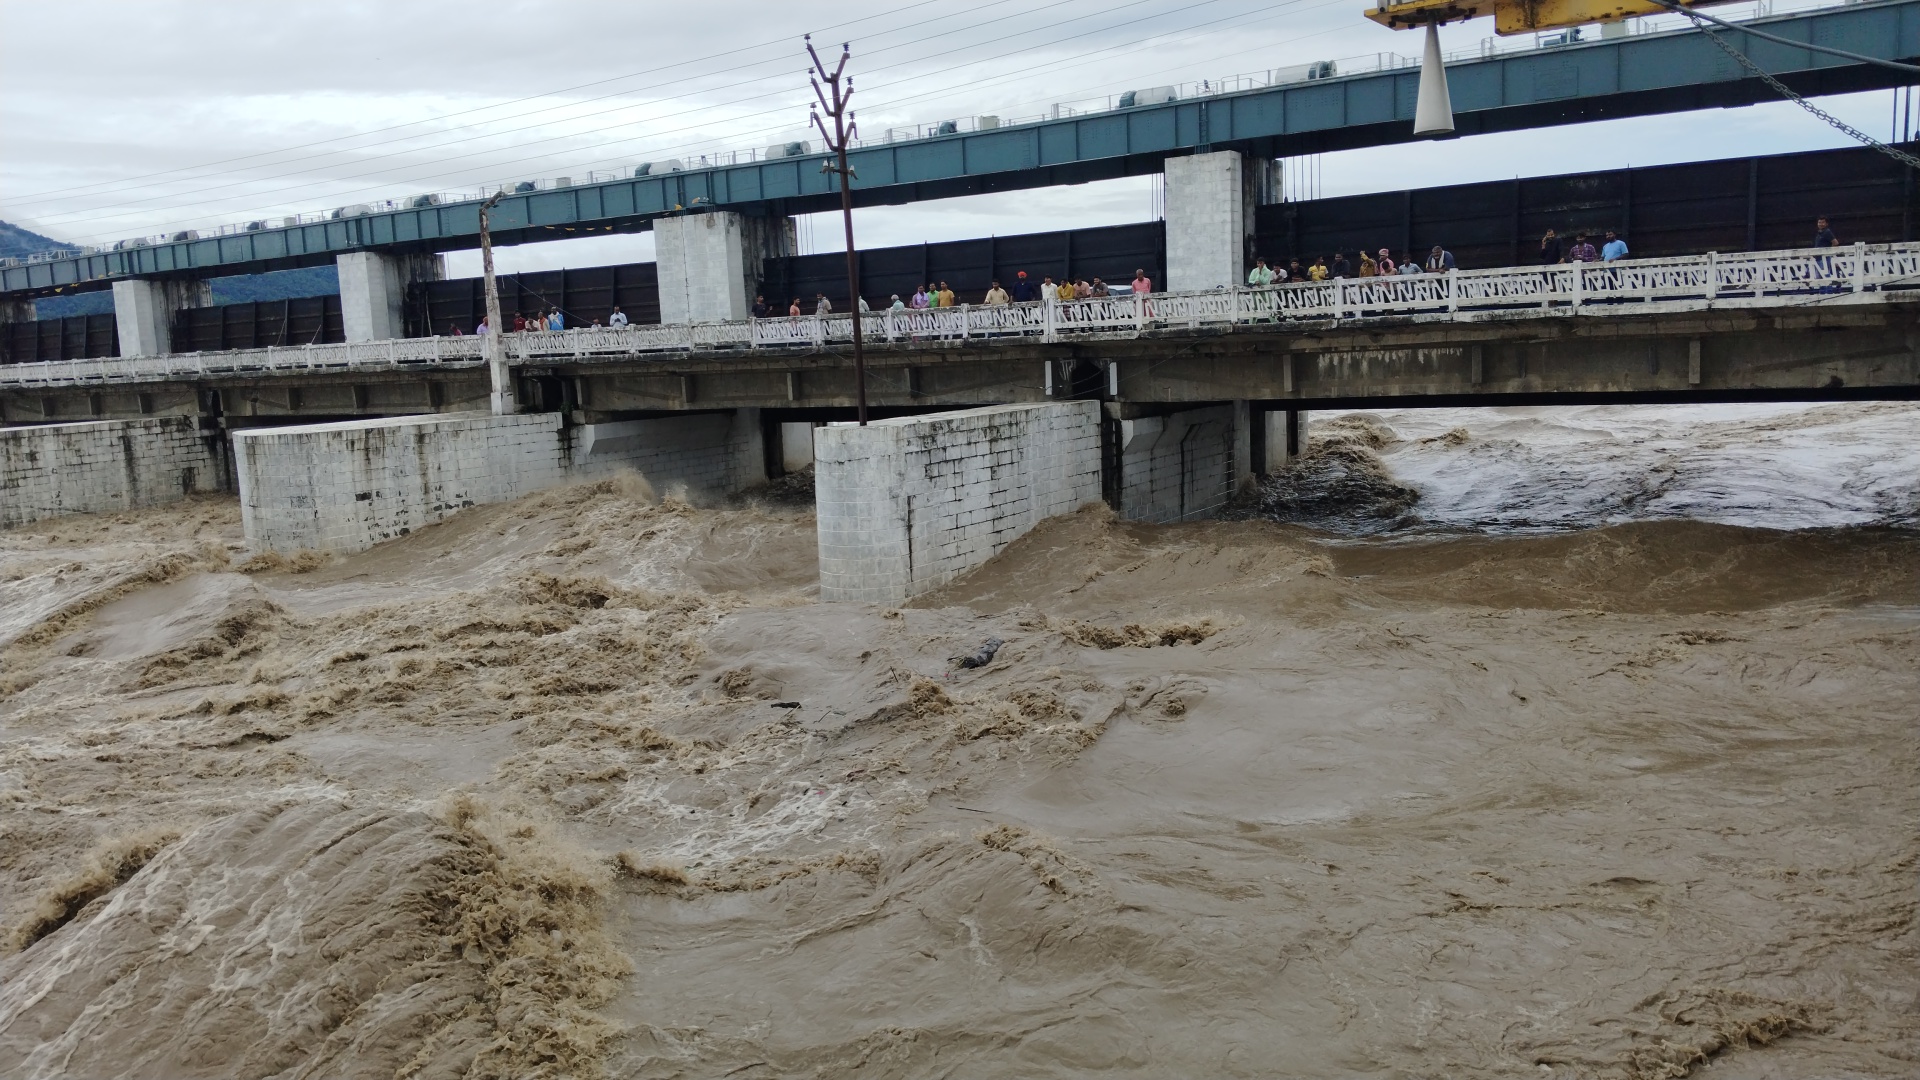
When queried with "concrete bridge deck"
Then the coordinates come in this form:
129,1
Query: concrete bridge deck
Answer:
1726,325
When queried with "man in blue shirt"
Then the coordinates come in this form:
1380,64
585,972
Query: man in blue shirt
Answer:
1440,261
1023,289
1615,248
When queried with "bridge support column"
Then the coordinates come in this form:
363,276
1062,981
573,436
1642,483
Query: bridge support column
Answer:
711,265
1177,466
1243,441
143,311
373,291
1210,202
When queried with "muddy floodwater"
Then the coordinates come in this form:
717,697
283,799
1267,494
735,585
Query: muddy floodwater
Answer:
1509,743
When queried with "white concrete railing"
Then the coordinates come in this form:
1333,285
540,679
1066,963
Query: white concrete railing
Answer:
1628,287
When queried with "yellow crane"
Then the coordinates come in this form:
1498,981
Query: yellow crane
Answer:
1433,109
1521,16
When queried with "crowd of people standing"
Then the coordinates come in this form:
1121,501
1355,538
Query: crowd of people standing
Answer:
1553,251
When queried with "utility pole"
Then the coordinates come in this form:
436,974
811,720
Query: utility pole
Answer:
833,102
500,380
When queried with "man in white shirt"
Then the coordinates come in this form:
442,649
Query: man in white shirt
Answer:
618,318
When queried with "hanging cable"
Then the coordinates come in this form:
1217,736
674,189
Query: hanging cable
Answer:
1790,94
1861,58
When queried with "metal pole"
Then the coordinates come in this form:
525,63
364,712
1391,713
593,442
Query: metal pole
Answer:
500,382
833,102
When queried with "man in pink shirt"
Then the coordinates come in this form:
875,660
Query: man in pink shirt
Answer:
1141,282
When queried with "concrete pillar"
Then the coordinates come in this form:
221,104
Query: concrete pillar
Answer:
1210,199
748,437
1178,466
143,310
796,445
711,265
1279,452
373,291
1243,463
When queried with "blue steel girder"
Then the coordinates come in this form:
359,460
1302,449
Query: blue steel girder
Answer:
1636,75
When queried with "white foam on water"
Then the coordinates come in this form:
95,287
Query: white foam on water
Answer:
1788,466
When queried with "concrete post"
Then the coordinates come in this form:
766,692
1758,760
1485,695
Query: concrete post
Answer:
1209,219
1243,463
711,265
796,445
1279,450
143,311
749,439
373,291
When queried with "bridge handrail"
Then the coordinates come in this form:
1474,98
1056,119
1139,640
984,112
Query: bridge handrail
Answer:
1623,287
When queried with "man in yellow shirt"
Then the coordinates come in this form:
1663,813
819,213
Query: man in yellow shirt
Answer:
1318,271
946,295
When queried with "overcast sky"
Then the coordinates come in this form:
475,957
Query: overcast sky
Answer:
122,119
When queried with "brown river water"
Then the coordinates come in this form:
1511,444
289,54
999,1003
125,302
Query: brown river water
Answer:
590,785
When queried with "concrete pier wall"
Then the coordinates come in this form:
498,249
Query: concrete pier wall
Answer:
1177,467
1209,220
696,457
906,505
345,487
105,465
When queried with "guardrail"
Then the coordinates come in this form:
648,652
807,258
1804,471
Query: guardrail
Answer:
1813,276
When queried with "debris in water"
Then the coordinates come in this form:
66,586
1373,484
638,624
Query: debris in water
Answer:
982,656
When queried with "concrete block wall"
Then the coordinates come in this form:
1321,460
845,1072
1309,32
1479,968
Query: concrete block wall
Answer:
105,465
1209,220
345,487
906,505
1178,467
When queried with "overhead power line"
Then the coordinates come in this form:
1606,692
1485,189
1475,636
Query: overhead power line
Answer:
864,20
389,182
162,199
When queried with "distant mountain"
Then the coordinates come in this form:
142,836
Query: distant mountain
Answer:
17,242
279,285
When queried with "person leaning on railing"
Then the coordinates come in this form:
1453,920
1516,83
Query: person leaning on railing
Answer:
996,296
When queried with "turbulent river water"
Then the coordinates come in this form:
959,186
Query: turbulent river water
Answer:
1545,743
